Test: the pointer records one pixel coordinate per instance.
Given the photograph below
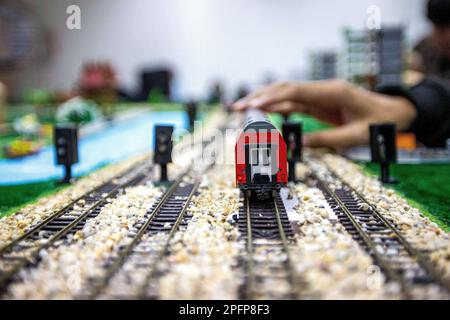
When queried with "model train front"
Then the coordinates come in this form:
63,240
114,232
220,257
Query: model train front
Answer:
261,165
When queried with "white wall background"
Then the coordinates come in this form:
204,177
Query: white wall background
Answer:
238,41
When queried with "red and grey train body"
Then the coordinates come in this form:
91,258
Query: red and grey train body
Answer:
261,163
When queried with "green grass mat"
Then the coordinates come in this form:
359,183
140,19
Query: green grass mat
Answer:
426,186
12,198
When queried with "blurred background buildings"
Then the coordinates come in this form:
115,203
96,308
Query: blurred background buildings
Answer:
200,41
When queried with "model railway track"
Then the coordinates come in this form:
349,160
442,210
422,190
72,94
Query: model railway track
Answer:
380,238
24,251
265,225
420,256
70,206
143,252
163,218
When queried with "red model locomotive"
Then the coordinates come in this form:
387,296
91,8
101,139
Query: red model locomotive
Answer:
261,163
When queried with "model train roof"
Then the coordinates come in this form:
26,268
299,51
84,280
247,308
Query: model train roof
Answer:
257,120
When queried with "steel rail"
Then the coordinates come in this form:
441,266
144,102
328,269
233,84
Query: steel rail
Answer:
249,291
293,277
141,292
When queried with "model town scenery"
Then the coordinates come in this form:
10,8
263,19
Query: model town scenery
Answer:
121,178
148,228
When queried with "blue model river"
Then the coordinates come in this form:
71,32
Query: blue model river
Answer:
112,144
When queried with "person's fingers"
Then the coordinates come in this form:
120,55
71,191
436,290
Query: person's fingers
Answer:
239,105
348,135
242,103
326,95
274,95
286,107
261,94
326,100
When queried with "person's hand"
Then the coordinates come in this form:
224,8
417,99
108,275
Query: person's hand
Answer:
350,108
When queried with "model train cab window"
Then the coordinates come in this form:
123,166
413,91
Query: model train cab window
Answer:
261,165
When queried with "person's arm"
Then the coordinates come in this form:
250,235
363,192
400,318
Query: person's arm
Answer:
350,108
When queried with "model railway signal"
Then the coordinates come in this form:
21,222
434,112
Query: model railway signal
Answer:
191,109
66,149
163,148
383,148
292,135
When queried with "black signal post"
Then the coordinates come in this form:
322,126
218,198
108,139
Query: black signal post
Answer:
292,135
191,109
163,148
66,149
383,148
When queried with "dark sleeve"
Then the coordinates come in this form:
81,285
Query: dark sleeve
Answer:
431,98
